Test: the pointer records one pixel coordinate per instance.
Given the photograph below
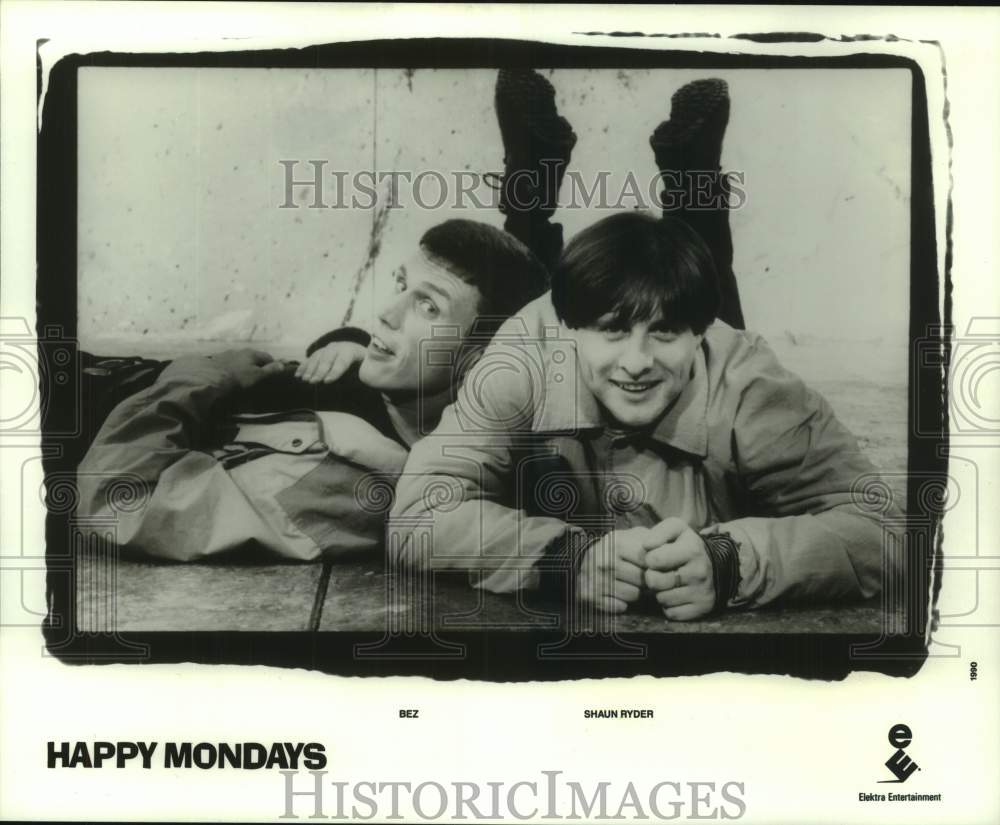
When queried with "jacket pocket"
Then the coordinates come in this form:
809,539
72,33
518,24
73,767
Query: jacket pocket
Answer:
292,437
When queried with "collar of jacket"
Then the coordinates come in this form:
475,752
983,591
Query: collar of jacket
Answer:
569,405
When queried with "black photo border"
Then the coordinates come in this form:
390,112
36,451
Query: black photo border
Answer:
491,655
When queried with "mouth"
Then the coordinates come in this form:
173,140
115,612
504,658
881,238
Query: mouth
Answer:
636,387
380,348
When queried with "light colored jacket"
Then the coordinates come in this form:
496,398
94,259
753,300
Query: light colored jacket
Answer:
298,485
523,458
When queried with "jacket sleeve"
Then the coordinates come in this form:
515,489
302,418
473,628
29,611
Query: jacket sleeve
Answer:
813,534
145,475
457,506
352,335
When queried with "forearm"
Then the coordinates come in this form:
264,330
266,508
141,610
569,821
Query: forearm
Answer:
826,556
150,431
457,504
821,539
502,548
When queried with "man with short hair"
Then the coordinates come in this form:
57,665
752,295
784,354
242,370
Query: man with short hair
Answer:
207,464
614,436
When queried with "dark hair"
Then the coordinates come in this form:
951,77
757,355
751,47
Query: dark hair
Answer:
638,267
503,269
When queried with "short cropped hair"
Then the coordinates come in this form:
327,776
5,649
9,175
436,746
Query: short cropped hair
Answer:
506,273
638,267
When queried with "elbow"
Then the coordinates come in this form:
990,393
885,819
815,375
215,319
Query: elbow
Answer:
410,526
876,557
428,521
91,495
116,494
408,543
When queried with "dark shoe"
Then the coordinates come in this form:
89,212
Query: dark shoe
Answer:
692,138
538,143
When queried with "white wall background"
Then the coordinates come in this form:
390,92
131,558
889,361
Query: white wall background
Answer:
182,244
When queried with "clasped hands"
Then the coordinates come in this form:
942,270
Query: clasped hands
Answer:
669,559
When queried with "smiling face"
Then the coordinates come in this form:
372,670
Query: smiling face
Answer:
636,373
428,297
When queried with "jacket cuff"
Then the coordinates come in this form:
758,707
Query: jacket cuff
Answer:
561,562
353,335
723,552
199,372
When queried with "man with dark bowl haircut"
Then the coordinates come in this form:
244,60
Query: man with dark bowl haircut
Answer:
211,477
617,439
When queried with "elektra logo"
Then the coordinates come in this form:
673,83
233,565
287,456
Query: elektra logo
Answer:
901,766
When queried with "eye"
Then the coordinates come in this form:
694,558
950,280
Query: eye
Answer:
400,281
664,336
428,307
612,331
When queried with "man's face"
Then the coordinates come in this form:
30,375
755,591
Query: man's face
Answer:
428,296
635,373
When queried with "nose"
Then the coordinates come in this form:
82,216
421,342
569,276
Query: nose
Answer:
635,360
391,313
